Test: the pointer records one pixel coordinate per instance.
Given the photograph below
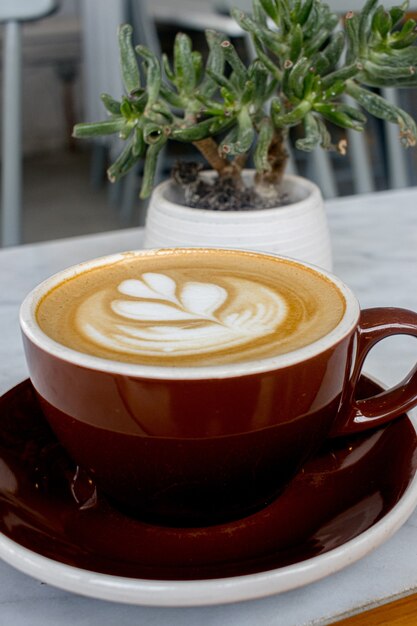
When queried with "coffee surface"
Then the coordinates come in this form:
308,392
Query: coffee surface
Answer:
191,308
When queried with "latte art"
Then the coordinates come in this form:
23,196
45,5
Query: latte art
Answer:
191,307
158,318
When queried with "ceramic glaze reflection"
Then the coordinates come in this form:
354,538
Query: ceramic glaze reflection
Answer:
159,317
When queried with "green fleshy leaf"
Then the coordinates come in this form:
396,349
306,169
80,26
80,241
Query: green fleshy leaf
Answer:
122,165
234,61
151,161
153,74
260,157
338,115
183,64
128,63
112,105
379,107
96,129
312,134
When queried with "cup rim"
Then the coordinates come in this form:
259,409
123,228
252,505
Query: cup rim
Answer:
31,329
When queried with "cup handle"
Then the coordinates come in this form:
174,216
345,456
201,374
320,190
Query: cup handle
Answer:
358,415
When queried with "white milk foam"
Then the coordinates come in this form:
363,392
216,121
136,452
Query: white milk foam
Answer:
151,315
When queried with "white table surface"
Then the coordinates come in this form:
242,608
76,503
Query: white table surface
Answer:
375,253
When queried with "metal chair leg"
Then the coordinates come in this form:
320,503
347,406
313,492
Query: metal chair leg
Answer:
11,143
396,155
359,161
322,172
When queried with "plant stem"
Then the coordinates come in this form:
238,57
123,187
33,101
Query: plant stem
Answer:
277,158
225,168
209,149
240,161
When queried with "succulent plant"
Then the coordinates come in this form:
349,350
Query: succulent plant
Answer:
307,61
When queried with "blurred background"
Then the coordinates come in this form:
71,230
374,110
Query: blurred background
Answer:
70,56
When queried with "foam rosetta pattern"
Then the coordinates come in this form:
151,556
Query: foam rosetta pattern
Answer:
154,315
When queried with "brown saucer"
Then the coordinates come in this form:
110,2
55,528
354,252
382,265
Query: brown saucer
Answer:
343,491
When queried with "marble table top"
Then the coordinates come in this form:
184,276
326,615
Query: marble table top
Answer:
375,252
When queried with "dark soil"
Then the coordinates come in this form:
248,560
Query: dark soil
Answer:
226,193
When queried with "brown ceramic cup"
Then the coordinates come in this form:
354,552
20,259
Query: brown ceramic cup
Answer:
197,446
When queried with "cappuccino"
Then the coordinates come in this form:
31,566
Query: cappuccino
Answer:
191,307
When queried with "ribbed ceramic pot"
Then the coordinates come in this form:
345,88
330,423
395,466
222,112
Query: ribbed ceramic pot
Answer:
297,230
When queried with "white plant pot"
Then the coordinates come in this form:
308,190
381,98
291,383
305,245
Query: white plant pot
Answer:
297,230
